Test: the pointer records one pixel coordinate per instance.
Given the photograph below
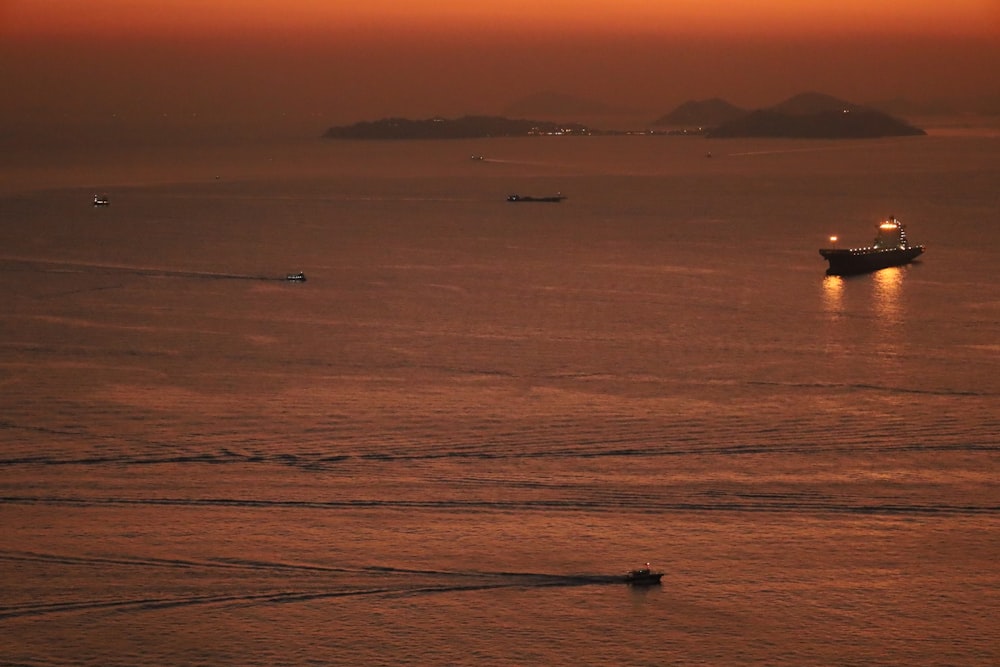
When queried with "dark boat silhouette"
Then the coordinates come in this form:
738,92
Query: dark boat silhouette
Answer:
299,277
643,576
556,198
101,200
890,248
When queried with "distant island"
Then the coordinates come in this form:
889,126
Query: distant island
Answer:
702,113
815,116
804,116
466,127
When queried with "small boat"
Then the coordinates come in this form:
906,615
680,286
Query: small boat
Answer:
101,200
643,576
296,277
890,248
556,198
477,158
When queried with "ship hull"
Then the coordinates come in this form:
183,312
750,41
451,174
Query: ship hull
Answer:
865,260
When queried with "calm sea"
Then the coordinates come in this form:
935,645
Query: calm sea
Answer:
446,446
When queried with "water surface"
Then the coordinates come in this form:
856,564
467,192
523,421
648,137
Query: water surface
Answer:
447,444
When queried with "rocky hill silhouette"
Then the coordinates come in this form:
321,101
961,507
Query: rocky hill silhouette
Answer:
701,113
807,115
815,116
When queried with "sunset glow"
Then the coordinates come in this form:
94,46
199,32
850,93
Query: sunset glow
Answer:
39,17
342,61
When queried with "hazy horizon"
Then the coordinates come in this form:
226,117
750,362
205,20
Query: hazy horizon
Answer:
309,65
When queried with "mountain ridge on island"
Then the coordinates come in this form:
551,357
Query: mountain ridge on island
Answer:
701,113
807,115
812,115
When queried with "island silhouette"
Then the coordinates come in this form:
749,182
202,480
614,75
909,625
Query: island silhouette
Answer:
815,116
701,113
807,115
466,127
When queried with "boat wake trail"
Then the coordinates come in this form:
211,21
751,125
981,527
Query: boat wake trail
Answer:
508,579
390,583
889,389
51,266
742,503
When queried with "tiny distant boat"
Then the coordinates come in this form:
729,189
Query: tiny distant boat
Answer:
296,277
556,198
477,158
101,200
890,248
643,576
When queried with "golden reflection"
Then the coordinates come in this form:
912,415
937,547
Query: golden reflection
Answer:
887,285
887,309
833,294
833,307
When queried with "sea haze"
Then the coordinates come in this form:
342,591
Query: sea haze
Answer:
447,445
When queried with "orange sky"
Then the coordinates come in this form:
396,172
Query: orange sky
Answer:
700,16
341,61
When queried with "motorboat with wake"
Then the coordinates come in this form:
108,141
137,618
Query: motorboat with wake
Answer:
643,576
553,199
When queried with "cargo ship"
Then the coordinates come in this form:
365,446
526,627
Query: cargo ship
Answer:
890,248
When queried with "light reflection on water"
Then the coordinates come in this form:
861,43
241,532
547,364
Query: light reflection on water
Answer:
889,316
833,296
833,313
887,286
